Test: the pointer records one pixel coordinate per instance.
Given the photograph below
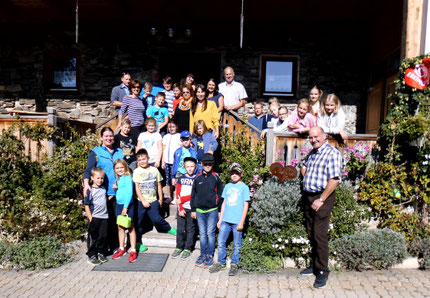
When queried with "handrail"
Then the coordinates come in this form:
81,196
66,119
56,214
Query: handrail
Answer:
106,121
245,121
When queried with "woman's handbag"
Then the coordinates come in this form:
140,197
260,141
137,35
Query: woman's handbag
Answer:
123,221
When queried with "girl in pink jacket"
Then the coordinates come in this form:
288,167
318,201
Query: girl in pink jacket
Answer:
301,120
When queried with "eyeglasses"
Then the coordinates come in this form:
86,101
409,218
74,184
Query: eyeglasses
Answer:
186,92
135,87
283,114
208,164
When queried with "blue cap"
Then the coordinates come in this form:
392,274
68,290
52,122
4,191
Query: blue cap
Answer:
185,134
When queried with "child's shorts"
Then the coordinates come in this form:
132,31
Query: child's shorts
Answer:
169,174
130,210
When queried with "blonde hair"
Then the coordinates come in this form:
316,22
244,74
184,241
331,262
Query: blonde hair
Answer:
274,104
258,103
305,101
333,98
273,99
200,123
147,85
150,119
124,164
97,170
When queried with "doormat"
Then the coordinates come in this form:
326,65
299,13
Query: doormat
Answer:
146,262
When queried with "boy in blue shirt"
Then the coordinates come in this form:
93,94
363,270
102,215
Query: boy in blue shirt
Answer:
232,218
159,112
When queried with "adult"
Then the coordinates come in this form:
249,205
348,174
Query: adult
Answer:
204,109
118,92
183,109
214,95
136,110
104,157
321,174
189,80
155,78
234,93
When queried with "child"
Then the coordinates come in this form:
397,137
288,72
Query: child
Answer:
205,202
177,96
147,181
168,92
124,206
332,118
186,225
159,112
171,143
147,97
274,111
152,142
315,96
96,209
203,140
186,150
258,120
125,141
301,120
232,219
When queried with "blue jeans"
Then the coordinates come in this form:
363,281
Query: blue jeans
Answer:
224,232
207,227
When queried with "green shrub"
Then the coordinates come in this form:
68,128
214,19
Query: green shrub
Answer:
379,249
275,205
421,248
34,254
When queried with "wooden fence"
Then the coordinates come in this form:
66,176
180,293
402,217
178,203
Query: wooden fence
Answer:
31,148
234,127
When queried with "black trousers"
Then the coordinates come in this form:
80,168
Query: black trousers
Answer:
317,224
186,229
97,236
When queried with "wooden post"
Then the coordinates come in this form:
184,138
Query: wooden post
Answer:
270,143
414,23
52,120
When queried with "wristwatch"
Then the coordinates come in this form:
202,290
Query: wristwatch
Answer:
321,200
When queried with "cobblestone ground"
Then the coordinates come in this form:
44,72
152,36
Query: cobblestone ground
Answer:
183,279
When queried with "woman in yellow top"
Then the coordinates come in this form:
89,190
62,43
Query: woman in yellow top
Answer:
204,109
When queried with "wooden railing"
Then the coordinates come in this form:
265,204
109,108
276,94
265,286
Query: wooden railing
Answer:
232,123
46,148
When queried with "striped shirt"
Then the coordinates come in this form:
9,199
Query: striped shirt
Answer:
135,108
321,165
168,103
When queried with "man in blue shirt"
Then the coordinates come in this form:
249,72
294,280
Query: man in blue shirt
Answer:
118,92
321,175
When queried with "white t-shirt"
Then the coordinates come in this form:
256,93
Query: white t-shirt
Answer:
172,143
150,143
233,93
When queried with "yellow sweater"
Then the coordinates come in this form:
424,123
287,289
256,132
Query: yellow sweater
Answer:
210,116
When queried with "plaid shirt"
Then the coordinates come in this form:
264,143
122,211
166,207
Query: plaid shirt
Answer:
321,165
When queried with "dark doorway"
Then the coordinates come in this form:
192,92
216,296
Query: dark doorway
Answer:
203,65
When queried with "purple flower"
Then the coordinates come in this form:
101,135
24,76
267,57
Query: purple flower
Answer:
252,189
294,162
251,194
228,160
345,173
251,183
280,152
281,162
367,148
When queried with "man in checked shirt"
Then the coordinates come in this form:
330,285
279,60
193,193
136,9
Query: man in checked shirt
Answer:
321,175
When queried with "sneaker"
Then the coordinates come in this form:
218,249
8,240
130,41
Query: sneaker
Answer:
200,261
209,262
102,258
185,254
176,253
320,280
119,253
141,248
307,271
133,256
93,260
216,268
172,231
233,270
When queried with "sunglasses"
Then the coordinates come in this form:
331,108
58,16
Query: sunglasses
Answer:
136,87
186,92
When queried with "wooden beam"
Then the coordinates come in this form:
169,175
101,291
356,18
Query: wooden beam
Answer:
413,35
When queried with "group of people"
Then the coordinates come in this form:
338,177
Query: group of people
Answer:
178,137
325,112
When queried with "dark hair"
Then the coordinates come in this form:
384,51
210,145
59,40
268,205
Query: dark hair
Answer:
190,75
195,99
104,129
216,86
167,80
134,83
189,88
141,152
172,121
161,94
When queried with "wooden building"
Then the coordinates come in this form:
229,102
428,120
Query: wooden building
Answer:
76,50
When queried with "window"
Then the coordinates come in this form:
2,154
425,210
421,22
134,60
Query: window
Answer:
61,72
278,75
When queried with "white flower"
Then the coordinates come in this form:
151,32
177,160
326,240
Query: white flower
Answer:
250,239
286,240
273,245
276,245
64,216
425,163
330,227
300,259
282,247
280,239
